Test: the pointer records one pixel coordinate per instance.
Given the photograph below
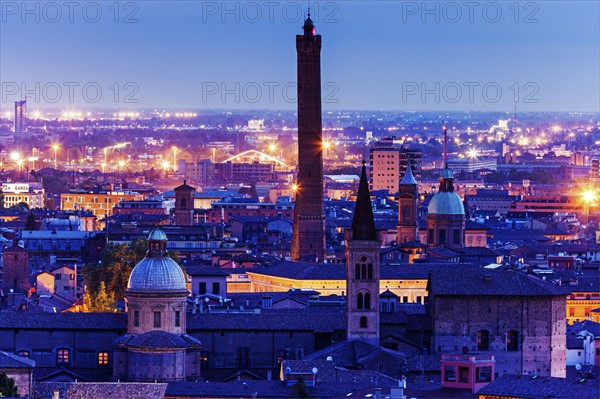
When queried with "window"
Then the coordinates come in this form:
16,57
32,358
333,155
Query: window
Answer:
216,288
512,341
405,299
243,357
202,288
456,236
463,374
483,340
62,357
359,301
571,312
357,271
367,301
102,358
156,319
370,270
418,300
587,312
430,236
483,374
442,234
363,322
384,306
450,373
177,318
58,276
24,354
136,318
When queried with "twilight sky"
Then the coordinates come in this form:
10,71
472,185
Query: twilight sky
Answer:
392,55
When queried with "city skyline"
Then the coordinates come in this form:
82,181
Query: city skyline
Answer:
203,56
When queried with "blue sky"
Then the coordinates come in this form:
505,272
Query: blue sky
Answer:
391,55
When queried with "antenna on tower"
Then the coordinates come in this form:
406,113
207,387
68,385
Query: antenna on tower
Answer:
445,147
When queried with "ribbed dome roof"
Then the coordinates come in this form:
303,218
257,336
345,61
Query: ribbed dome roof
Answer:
157,235
446,173
157,274
446,203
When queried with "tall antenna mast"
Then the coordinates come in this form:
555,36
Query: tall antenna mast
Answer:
445,146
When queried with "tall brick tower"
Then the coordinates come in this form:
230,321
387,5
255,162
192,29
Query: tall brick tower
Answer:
407,207
308,237
362,270
184,205
16,261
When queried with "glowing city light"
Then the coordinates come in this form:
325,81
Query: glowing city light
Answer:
472,153
589,196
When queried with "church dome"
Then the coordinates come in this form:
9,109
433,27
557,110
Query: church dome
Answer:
157,272
446,203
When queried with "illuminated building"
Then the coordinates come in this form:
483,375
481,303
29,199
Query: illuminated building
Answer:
32,194
388,165
101,204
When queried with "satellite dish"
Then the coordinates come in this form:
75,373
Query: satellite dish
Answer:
578,367
315,370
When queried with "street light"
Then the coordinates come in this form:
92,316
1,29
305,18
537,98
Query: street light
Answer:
20,163
174,159
55,147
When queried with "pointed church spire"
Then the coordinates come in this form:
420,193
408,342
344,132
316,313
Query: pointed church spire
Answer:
363,223
408,178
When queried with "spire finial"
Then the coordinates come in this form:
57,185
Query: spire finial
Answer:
445,147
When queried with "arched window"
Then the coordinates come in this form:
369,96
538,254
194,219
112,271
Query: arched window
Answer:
363,322
483,340
512,341
364,271
359,301
367,301
357,271
406,213
370,270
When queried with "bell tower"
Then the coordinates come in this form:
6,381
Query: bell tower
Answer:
362,270
184,205
407,208
308,235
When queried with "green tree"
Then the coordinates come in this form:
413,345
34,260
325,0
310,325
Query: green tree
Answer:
102,301
7,386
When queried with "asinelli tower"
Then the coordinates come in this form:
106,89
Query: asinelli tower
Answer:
308,236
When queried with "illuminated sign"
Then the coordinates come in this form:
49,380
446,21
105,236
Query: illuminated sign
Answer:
15,187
